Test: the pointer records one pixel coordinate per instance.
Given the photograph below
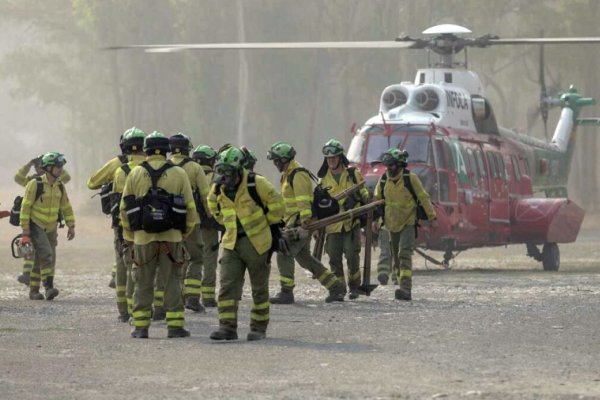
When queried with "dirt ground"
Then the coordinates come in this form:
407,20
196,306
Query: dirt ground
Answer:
495,326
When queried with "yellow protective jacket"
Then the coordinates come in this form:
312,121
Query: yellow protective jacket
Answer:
400,207
119,182
345,182
196,174
297,200
174,181
106,173
22,178
208,171
44,211
244,211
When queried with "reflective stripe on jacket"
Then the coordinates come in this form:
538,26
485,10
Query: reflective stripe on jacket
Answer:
297,200
244,209
400,207
44,211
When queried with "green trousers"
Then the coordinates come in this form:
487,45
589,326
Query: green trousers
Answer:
120,273
44,245
192,283
163,259
300,252
129,286
402,244
384,263
234,264
28,265
210,238
345,244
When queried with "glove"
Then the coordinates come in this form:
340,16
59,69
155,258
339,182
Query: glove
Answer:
25,241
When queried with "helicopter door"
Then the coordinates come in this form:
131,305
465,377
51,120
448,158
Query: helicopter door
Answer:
499,205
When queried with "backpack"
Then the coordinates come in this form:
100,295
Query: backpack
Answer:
107,189
115,200
15,211
323,205
158,210
421,214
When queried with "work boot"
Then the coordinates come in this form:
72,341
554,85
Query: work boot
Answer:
177,333
286,296
353,295
24,279
124,318
193,303
112,284
140,333
383,278
34,294
223,334
403,294
210,303
336,293
256,335
159,314
51,293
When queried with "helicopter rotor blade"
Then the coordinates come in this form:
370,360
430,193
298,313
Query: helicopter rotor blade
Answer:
173,48
517,41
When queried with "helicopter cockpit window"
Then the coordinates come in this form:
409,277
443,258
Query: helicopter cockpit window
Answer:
418,148
379,141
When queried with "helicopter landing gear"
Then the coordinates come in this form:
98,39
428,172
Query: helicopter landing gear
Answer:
549,256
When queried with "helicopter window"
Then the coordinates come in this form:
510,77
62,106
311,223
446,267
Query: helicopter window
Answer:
492,165
480,163
418,149
356,149
472,168
422,78
516,168
448,77
501,167
527,170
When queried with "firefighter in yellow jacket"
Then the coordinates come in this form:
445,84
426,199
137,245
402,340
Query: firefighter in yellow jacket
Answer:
133,143
158,207
297,192
39,221
206,157
105,176
343,238
192,283
22,177
250,209
400,214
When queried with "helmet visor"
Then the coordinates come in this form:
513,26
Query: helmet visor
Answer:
225,170
331,151
388,160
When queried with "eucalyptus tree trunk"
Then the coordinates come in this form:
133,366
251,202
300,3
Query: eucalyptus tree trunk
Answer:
242,76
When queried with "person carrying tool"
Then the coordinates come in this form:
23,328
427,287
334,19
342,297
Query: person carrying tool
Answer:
297,192
343,238
159,209
45,196
250,209
22,177
403,192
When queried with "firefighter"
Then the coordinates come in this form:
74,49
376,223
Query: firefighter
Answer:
133,143
400,216
22,178
247,205
343,238
192,284
297,192
206,157
104,176
158,207
44,197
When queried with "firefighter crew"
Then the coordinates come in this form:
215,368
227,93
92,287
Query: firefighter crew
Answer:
297,192
133,142
22,178
400,215
247,241
192,284
104,176
39,221
158,207
206,157
343,238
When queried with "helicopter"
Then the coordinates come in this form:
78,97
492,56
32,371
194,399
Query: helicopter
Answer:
483,179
